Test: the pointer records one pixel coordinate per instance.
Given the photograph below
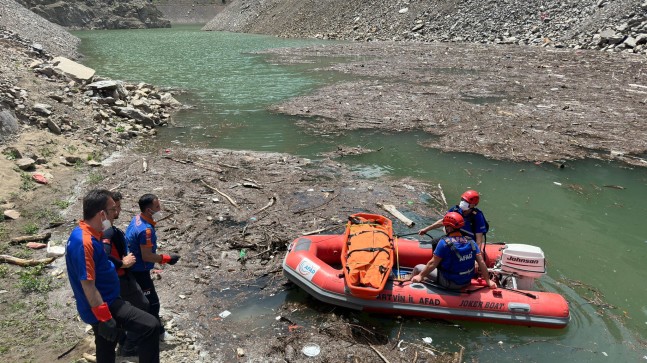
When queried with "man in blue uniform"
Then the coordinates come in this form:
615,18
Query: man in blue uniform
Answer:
142,242
95,284
452,265
475,225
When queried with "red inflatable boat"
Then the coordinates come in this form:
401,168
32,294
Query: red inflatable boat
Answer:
314,264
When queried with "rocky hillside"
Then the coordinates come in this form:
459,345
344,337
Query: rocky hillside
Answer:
190,11
615,25
33,28
99,14
62,97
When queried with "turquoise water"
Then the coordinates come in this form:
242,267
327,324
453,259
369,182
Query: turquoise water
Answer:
589,232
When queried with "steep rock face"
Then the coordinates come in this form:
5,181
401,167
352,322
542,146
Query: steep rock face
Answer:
33,28
614,25
99,14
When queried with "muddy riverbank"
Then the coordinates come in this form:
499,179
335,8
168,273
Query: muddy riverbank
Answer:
504,102
232,242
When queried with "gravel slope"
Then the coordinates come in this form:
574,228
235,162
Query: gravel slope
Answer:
54,38
618,25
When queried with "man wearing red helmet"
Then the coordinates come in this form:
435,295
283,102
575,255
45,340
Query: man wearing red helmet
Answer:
475,225
452,265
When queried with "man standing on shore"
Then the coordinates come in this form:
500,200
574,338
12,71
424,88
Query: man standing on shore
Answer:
142,242
114,243
95,284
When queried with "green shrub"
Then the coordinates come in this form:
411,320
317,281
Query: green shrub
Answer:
27,183
31,228
94,178
32,279
62,204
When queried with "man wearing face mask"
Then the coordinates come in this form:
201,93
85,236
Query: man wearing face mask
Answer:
142,242
95,284
453,263
114,243
475,225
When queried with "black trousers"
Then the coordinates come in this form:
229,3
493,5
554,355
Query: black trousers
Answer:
144,281
134,320
131,292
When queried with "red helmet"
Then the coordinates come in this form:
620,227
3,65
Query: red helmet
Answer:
454,220
471,197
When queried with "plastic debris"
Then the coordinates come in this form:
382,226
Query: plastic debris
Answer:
500,342
242,254
311,350
55,251
605,354
427,340
40,178
35,245
557,183
224,314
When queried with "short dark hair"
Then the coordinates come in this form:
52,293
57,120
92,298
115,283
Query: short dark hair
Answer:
94,202
117,196
146,201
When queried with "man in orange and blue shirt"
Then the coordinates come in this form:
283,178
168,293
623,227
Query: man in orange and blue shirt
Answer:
95,284
142,242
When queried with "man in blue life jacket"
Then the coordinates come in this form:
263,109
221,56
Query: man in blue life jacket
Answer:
95,284
475,226
452,265
142,242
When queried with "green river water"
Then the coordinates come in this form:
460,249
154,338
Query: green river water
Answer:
589,232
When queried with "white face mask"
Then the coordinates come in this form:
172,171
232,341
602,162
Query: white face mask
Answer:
157,216
106,225
463,205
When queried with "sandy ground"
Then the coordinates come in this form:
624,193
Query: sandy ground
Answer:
504,102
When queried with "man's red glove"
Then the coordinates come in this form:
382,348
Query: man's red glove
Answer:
170,259
102,312
107,328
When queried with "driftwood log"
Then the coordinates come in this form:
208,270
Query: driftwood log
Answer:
31,238
396,213
25,263
233,202
269,204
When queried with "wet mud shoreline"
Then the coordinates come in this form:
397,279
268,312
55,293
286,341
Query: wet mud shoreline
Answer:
505,102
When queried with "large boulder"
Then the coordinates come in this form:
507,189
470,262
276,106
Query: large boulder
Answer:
8,123
74,70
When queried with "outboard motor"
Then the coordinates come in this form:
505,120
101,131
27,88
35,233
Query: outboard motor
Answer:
520,265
